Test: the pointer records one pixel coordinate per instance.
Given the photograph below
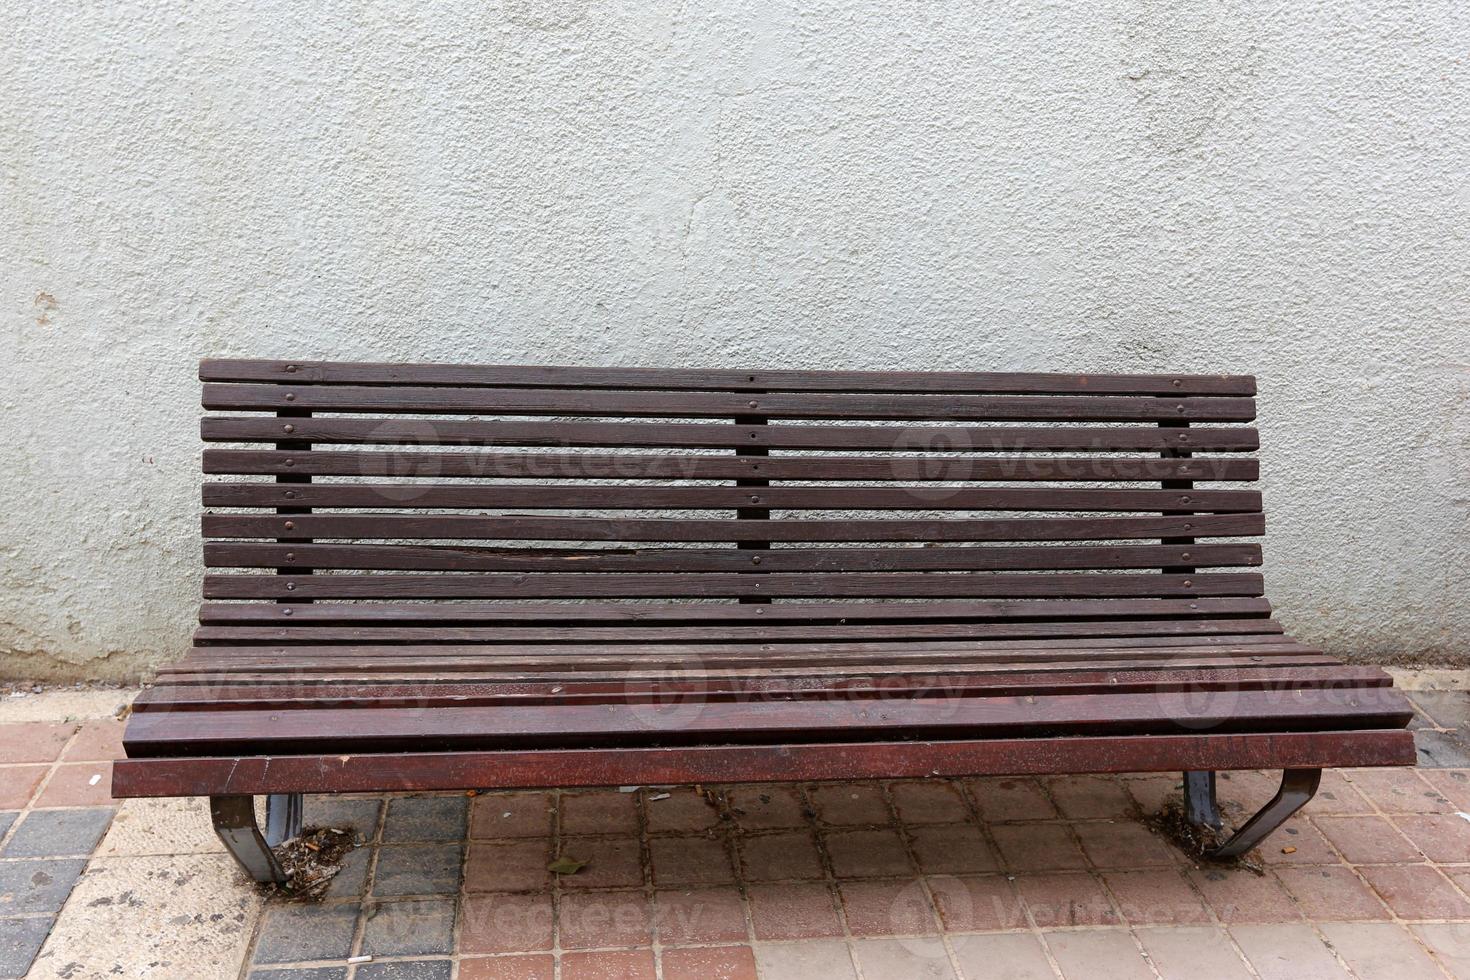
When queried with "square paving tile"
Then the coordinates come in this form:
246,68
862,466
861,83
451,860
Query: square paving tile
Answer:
781,856
1238,896
359,816
37,886
709,963
798,910
867,853
929,801
1066,899
1091,797
1378,950
426,818
1449,942
611,862
20,941
887,908
6,819
351,880
1013,956
849,804
1398,790
700,915
765,807
805,961
949,849
1442,837
98,740
497,815
679,810
57,833
18,784
1298,842
977,903
587,920
33,741
516,865
690,861
1193,952
1368,840
1038,847
1331,894
599,812
903,959
1124,844
417,869
1417,892
415,928
414,970
1107,954
535,966
631,964
80,784
1287,952
302,973
505,923
291,933
1003,799
1158,896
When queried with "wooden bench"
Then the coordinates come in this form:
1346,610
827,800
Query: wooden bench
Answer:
441,577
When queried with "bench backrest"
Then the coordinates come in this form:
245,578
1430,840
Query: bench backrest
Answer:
560,483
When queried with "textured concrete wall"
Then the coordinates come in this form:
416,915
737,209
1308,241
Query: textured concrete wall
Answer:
1130,185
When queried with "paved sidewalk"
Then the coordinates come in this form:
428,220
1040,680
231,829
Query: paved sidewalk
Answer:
971,879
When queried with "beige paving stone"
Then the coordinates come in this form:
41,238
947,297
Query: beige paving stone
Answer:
1013,955
903,959
66,705
1450,944
179,917
1104,954
1193,953
163,826
1287,952
1378,950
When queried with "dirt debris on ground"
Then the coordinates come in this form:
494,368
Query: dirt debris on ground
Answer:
311,860
1173,824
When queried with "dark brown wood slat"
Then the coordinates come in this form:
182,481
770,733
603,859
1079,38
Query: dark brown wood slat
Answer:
235,696
529,527
606,466
532,585
767,763
717,379
421,558
699,651
204,677
689,404
725,632
618,497
363,729
830,657
665,613
933,439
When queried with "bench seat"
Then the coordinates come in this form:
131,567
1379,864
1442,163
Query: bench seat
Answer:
578,577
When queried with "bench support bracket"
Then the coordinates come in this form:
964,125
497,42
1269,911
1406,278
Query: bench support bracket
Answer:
1298,786
235,823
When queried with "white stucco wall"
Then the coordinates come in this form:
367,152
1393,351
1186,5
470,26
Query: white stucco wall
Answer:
1277,188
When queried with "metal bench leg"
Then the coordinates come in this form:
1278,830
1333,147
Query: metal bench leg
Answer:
1297,787
283,815
234,822
1200,805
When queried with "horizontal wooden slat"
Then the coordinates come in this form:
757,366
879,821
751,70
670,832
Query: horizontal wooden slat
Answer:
532,585
716,379
421,558
618,497
528,528
707,467
232,695
208,676
933,439
689,404
657,615
344,773
354,729
723,632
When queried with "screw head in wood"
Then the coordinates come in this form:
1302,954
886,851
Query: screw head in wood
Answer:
290,494
1184,557
289,427
290,369
286,611
752,404
290,586
290,462
755,500
1184,500
755,561
290,525
291,397
291,556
